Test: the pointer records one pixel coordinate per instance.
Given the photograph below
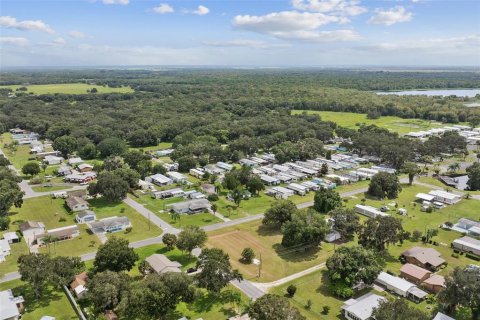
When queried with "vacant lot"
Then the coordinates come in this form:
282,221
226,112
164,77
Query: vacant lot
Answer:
277,262
53,303
353,120
68,88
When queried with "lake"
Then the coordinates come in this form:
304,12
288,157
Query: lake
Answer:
443,92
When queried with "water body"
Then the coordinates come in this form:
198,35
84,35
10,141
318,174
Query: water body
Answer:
470,93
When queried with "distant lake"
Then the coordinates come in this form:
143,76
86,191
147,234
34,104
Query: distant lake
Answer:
444,93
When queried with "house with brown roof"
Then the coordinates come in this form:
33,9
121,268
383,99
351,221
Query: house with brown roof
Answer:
427,258
414,273
59,234
161,264
75,203
78,284
434,284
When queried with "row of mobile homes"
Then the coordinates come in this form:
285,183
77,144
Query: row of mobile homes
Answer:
170,193
213,169
258,160
177,177
310,185
197,173
369,211
193,194
467,244
384,169
159,179
298,189
401,287
248,163
224,166
269,157
280,192
268,180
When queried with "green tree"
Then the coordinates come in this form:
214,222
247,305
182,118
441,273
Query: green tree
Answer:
115,255
105,289
255,185
110,186
398,309
169,239
4,161
306,228
462,288
134,157
411,169
379,232
35,269
190,238
247,255
111,147
231,181
31,168
186,163
130,176
473,173
384,184
10,195
279,213
237,196
346,222
112,163
142,138
326,200
215,270
88,151
274,307
64,270
65,144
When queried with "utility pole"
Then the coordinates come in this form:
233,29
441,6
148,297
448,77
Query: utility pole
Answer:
260,267
149,221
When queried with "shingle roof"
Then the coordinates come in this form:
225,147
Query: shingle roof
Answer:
425,255
436,280
161,264
30,225
414,271
74,200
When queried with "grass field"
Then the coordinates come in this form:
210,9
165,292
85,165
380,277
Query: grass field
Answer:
160,146
353,120
10,263
43,188
52,303
278,262
68,88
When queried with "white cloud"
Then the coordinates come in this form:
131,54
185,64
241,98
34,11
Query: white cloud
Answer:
391,16
320,36
77,34
336,7
59,42
14,41
163,8
256,44
201,10
122,2
25,25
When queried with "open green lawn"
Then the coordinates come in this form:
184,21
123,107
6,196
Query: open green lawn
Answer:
160,146
20,156
52,303
254,205
278,262
141,228
45,188
68,88
396,124
10,263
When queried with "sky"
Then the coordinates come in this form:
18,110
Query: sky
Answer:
269,33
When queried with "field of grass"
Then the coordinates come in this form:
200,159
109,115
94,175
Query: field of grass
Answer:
160,146
352,120
141,228
68,88
44,188
10,263
52,303
278,262
254,205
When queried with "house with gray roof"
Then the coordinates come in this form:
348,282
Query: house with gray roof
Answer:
111,224
161,264
10,305
191,206
362,308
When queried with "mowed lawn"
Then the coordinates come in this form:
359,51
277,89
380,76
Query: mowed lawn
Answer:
10,263
68,88
52,303
277,262
353,120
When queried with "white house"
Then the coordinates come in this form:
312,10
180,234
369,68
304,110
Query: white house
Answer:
85,216
177,177
298,189
224,166
159,179
268,180
196,173
74,161
110,224
4,249
52,160
445,197
11,237
144,185
442,316
369,211
30,229
362,308
76,204
333,235
280,192
10,305
191,206
467,244
401,287
170,193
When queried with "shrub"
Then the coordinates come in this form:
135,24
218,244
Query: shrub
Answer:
36,180
4,222
325,309
128,230
308,305
62,219
291,290
429,210
213,197
247,255
455,255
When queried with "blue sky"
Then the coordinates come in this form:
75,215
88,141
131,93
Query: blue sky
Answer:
235,33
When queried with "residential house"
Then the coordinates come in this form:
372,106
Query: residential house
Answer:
191,206
159,179
30,229
85,216
52,160
298,189
194,194
59,234
362,308
332,236
161,264
224,166
75,203
177,177
401,287
434,284
369,211
468,226
64,171
212,169
414,273
442,316
269,180
445,197
467,244
427,258
279,192
78,284
11,237
4,249
197,173
111,224
85,167
80,178
10,306
75,161
170,193
60,195
144,185
165,152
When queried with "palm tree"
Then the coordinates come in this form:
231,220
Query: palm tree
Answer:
214,208
454,167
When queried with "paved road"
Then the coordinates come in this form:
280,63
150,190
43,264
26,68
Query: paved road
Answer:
248,288
30,193
265,286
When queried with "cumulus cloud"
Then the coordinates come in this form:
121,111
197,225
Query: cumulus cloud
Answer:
294,25
256,44
14,41
122,2
391,16
201,10
77,34
59,42
163,8
25,25
337,7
